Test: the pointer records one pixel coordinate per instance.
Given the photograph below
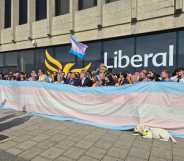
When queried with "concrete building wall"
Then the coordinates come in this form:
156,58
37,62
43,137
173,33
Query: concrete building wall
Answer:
119,18
6,36
60,28
22,32
154,8
39,29
118,12
86,19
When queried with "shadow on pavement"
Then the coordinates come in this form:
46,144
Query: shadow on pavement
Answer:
14,122
7,117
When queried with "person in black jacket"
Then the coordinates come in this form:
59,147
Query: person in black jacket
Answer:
85,81
74,80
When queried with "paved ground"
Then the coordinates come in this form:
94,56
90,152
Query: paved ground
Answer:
39,139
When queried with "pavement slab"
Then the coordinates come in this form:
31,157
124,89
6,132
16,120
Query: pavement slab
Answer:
32,138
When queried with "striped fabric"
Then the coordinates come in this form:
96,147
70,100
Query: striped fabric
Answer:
120,108
78,49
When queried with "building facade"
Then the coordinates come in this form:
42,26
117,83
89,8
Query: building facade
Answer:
124,34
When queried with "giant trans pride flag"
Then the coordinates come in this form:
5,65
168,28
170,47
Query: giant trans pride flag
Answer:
120,108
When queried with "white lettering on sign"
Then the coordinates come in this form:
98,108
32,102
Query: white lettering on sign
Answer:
161,59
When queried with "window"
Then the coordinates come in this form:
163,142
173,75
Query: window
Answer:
11,59
93,54
62,54
62,7
1,60
83,4
181,49
27,61
109,1
160,47
41,9
7,17
115,49
40,58
22,12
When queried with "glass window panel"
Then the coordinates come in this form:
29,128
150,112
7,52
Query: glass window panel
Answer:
40,58
154,44
41,9
93,55
7,15
93,52
27,61
11,59
1,60
84,4
62,7
181,49
113,48
62,54
109,1
22,12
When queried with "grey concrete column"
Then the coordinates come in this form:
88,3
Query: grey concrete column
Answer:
50,15
14,17
100,4
1,16
73,9
178,6
133,11
31,15
134,4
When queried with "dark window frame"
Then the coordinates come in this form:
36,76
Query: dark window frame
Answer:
23,12
7,13
9,54
58,7
3,63
111,1
41,10
82,7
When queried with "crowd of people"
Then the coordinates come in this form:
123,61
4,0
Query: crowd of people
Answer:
100,77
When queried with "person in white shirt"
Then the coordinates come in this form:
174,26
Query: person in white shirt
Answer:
178,76
181,76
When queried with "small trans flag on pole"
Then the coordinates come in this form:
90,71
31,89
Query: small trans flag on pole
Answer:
78,49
